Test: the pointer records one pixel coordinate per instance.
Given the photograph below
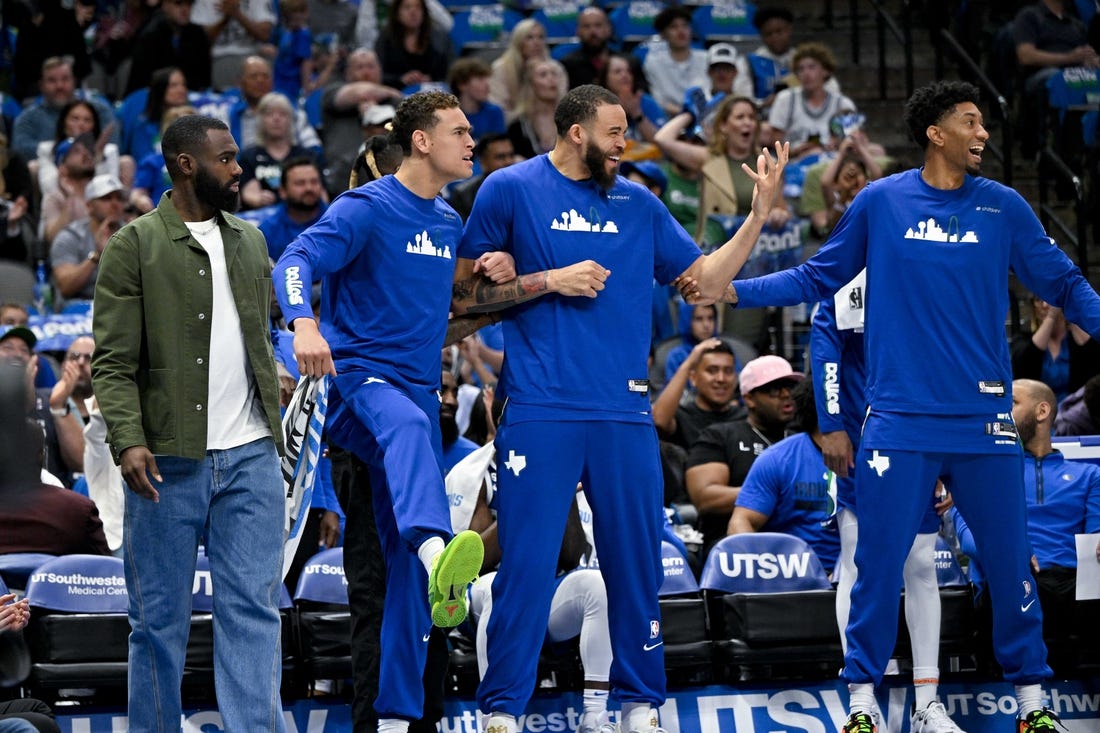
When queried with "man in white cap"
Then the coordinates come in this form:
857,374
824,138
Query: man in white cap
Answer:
673,66
727,73
76,249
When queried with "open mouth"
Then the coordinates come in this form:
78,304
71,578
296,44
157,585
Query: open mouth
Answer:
976,152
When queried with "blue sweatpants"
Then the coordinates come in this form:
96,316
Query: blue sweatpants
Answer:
398,438
892,489
538,466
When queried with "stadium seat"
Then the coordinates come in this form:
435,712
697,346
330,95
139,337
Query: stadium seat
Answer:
78,631
482,25
770,608
689,657
324,621
632,22
560,19
16,567
16,283
1071,94
726,20
562,50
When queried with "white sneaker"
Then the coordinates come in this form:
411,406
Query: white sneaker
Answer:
500,724
597,724
933,719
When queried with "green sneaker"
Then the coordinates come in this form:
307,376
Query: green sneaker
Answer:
452,572
1040,721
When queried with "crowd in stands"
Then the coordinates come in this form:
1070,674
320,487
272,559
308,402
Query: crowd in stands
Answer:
307,91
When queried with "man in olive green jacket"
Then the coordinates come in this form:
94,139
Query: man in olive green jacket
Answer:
185,378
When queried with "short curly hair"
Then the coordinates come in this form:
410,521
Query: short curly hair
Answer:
819,52
931,103
418,112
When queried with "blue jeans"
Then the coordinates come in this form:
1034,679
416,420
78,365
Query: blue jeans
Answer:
235,496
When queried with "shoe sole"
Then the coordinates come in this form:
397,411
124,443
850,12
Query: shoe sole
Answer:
456,568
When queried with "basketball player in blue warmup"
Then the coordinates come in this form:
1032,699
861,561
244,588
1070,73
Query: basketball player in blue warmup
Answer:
938,243
839,374
578,407
387,254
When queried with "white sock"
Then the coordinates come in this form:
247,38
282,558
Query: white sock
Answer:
639,716
861,698
595,701
428,551
392,725
1029,698
500,723
925,685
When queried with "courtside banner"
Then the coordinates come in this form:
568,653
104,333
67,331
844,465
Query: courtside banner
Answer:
978,707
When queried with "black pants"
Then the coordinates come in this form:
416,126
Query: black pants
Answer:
35,712
365,570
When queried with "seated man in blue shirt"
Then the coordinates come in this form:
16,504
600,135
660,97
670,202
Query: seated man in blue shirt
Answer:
787,489
302,201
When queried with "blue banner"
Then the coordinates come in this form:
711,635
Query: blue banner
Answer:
977,706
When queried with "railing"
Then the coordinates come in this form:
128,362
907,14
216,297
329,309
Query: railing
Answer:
1052,169
884,22
1002,152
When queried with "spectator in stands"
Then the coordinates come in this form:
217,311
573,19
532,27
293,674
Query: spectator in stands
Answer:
237,29
152,179
75,252
343,104
293,41
801,114
75,384
584,65
301,203
79,118
117,28
39,119
724,189
719,460
468,78
1078,414
261,164
244,117
366,23
167,90
494,151
334,19
787,487
54,520
14,615
532,130
455,446
710,367
509,70
1049,37
726,74
75,160
171,41
1056,352
623,76
646,172
410,49
772,60
844,175
697,324
228,432
16,193
13,314
48,32
674,67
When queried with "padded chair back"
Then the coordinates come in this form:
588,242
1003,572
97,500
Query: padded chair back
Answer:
633,21
725,20
763,562
559,17
79,584
482,25
322,579
678,577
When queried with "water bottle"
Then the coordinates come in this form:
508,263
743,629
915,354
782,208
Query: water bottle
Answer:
43,292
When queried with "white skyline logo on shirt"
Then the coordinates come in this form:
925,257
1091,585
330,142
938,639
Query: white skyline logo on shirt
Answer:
571,221
930,231
424,246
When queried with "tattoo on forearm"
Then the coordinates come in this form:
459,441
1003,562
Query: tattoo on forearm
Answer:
489,296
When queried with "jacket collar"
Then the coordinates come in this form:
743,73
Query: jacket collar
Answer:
177,229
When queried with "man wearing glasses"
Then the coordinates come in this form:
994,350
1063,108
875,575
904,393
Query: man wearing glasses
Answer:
74,385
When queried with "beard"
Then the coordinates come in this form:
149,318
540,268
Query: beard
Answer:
594,160
448,428
212,193
1026,428
301,205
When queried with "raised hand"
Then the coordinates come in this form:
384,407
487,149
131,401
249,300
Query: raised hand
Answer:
768,177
